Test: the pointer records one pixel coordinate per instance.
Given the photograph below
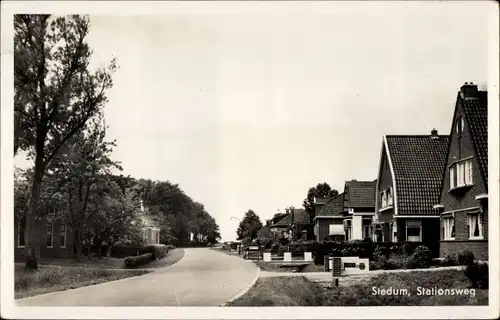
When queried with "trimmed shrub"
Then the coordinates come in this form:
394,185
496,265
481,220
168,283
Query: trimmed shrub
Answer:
477,272
465,258
122,250
421,258
145,258
157,250
170,247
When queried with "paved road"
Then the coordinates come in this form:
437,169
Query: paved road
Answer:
203,277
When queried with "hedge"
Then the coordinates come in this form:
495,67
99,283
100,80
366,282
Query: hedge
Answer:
145,258
157,250
360,248
123,251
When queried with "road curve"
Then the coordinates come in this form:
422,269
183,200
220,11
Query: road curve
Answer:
204,277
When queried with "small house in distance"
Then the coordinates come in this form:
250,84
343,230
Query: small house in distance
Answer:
463,203
150,230
349,215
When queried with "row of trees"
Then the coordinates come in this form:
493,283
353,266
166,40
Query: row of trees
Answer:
58,113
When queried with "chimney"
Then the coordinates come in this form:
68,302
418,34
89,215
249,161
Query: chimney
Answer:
434,134
468,91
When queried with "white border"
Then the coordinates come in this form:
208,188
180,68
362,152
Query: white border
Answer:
9,310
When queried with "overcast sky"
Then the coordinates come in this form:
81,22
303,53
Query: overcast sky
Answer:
248,111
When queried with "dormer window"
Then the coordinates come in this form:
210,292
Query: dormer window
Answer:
389,196
461,174
459,125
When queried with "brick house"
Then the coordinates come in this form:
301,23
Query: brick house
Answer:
463,204
57,237
359,208
347,216
408,186
329,219
292,216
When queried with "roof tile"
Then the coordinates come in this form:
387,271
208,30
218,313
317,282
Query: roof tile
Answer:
418,162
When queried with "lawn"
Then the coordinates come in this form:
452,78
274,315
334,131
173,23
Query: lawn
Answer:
114,263
49,279
298,291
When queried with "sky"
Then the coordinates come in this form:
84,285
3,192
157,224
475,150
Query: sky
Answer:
249,110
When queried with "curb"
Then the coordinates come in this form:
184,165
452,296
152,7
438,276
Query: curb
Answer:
241,293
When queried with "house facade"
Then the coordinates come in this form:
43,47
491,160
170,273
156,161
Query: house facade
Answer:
463,203
150,231
408,184
347,216
283,223
57,238
329,219
359,209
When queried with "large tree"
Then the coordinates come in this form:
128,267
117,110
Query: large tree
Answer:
55,94
321,190
84,165
249,226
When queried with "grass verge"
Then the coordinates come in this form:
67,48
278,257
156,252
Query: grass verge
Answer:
171,258
49,279
298,291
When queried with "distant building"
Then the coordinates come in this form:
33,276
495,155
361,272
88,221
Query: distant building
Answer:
282,222
150,230
347,216
463,201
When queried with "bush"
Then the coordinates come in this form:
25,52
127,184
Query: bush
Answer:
170,247
122,251
421,258
145,258
246,241
477,272
157,250
465,258
233,245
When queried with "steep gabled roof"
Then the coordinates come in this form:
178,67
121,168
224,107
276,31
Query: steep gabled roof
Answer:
333,207
360,194
300,216
417,163
476,117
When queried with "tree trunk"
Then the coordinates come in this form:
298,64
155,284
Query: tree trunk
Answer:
108,250
78,244
32,217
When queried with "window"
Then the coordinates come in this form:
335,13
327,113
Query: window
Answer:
449,228
63,236
475,226
336,229
459,125
389,197
21,224
384,199
49,237
414,231
461,174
